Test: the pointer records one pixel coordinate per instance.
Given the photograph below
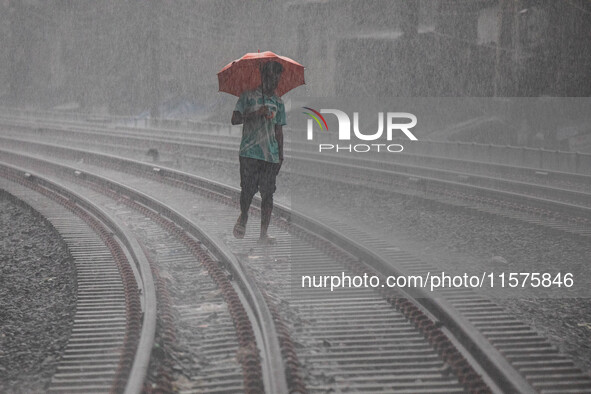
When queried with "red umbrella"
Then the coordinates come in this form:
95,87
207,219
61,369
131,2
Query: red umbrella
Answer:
244,73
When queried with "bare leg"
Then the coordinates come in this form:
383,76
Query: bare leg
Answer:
265,220
267,188
248,184
266,211
245,201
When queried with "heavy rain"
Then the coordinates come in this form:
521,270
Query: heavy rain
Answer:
428,222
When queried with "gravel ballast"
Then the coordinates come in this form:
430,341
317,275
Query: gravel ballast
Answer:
37,298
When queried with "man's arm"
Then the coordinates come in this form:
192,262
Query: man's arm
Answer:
279,138
237,118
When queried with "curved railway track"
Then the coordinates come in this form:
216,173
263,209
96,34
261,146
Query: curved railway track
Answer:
177,139
114,324
558,207
356,339
104,350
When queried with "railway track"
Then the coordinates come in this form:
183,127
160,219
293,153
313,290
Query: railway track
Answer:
565,209
114,323
100,328
176,140
339,336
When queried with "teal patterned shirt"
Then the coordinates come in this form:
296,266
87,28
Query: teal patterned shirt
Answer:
258,134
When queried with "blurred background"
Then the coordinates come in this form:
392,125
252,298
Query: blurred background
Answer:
160,58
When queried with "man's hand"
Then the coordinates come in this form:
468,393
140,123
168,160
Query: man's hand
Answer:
279,138
278,166
263,111
266,112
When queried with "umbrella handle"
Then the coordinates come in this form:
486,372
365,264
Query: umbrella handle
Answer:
261,74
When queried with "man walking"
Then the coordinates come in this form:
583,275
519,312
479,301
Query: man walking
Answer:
262,115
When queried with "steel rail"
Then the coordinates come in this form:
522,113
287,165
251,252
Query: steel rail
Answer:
138,370
289,216
489,357
180,125
383,178
440,340
273,366
413,161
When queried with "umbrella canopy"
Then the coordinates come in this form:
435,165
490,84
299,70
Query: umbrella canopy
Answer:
244,73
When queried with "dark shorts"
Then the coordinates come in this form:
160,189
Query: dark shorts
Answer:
257,175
